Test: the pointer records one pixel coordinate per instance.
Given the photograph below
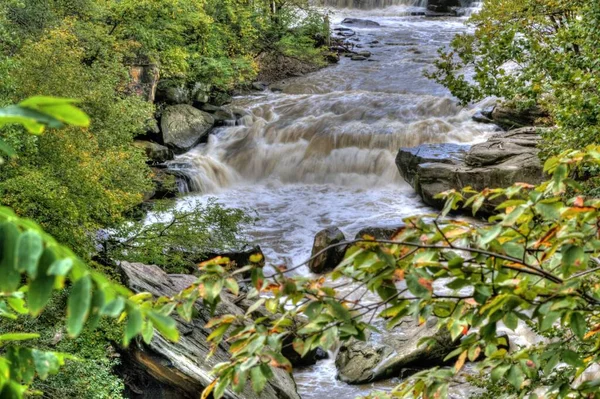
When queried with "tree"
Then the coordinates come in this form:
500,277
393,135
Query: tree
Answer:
536,262
33,266
532,52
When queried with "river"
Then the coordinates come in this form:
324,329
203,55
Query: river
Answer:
321,152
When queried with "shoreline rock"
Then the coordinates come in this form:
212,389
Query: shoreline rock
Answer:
332,257
506,158
182,368
395,352
184,126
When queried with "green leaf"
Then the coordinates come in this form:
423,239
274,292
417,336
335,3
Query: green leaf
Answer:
40,287
548,320
165,325
339,311
134,324
258,379
18,336
490,234
78,306
578,325
515,376
61,267
511,320
499,371
232,285
114,308
11,278
415,286
29,250
572,358
313,310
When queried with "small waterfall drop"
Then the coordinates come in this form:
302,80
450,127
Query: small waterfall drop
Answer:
370,4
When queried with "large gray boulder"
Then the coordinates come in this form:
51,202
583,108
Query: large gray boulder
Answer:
506,158
329,259
512,118
394,354
184,126
182,368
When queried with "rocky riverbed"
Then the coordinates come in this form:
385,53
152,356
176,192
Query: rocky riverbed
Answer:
364,143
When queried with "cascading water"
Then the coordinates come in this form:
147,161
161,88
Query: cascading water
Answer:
370,4
321,152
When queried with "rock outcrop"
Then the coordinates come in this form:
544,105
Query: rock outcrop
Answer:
184,126
155,152
395,354
510,118
506,158
181,368
329,259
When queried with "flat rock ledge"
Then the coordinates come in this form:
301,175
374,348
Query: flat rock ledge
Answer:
393,354
506,158
180,369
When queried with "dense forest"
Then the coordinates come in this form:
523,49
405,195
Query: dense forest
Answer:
85,92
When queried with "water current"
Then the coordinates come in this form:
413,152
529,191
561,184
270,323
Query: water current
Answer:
321,152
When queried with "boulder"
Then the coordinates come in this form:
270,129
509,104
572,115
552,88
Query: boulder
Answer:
379,233
144,79
155,152
511,118
329,259
442,6
484,115
506,158
393,354
201,93
184,126
360,22
408,160
182,368
173,92
259,86
165,185
358,58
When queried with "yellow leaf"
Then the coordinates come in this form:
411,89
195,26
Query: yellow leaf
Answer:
461,361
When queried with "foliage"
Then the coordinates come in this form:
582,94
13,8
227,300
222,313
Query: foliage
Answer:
532,51
34,266
179,239
536,263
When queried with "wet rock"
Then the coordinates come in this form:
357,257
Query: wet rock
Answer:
259,86
330,258
182,368
409,159
201,92
165,185
184,126
379,233
396,351
156,153
277,87
360,22
484,115
241,256
358,58
442,6
506,158
173,92
220,98
511,118
365,54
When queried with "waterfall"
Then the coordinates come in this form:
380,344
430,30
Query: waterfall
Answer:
371,4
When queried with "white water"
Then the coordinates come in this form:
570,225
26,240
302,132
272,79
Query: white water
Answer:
322,152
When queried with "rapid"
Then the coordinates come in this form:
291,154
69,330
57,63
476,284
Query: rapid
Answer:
320,151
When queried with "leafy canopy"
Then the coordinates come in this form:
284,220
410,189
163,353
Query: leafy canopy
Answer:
532,52
33,266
